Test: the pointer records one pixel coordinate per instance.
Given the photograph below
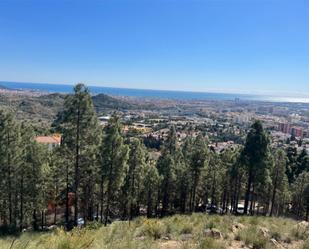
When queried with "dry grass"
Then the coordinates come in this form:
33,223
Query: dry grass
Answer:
176,232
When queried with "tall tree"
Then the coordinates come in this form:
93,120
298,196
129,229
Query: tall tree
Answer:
133,180
114,156
306,201
199,160
255,158
78,124
151,185
9,161
291,165
279,179
298,193
166,166
302,162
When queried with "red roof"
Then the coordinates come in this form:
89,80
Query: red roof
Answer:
48,139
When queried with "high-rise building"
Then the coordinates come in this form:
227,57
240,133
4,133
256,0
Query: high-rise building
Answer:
297,132
284,127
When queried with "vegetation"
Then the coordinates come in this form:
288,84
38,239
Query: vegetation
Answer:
176,232
100,175
43,109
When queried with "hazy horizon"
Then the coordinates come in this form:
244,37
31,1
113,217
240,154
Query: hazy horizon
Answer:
267,96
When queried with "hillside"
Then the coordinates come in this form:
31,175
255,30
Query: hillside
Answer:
35,108
198,231
43,108
102,102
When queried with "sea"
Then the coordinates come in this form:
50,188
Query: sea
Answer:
161,94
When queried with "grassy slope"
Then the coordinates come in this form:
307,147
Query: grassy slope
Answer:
175,232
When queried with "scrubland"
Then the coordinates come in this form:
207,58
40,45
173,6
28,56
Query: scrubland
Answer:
200,231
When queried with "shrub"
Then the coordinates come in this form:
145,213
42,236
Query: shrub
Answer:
152,228
300,232
275,235
210,225
186,228
210,243
76,239
306,244
251,237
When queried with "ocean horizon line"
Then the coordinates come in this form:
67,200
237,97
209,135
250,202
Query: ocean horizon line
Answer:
156,93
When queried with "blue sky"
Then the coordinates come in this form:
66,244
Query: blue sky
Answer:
199,45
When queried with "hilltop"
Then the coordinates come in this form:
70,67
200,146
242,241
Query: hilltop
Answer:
197,231
43,108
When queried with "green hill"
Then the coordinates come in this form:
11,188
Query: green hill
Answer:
103,101
44,108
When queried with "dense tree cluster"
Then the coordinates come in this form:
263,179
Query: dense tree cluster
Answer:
100,174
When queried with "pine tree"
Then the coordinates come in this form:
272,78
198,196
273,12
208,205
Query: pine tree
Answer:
279,181
133,180
229,157
212,178
302,162
151,185
236,175
255,158
298,193
114,156
184,181
78,124
37,163
9,161
306,201
291,165
166,165
199,160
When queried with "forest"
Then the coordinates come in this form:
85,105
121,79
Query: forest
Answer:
101,174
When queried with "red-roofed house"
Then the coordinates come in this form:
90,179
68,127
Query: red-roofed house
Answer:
51,141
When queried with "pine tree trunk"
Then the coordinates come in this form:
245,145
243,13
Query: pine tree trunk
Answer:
67,198
34,221
149,203
9,179
101,197
21,202
55,209
274,194
247,196
76,180
42,220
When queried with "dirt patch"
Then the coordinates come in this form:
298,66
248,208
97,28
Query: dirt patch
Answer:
171,244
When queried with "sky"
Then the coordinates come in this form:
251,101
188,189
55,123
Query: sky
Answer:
244,46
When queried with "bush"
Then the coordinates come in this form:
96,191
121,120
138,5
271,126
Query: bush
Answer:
94,225
306,244
251,237
186,228
210,243
276,235
300,232
152,228
60,239
210,225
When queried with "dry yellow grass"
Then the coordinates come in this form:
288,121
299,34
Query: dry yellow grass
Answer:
176,232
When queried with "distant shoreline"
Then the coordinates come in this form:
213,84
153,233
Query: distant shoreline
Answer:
147,93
